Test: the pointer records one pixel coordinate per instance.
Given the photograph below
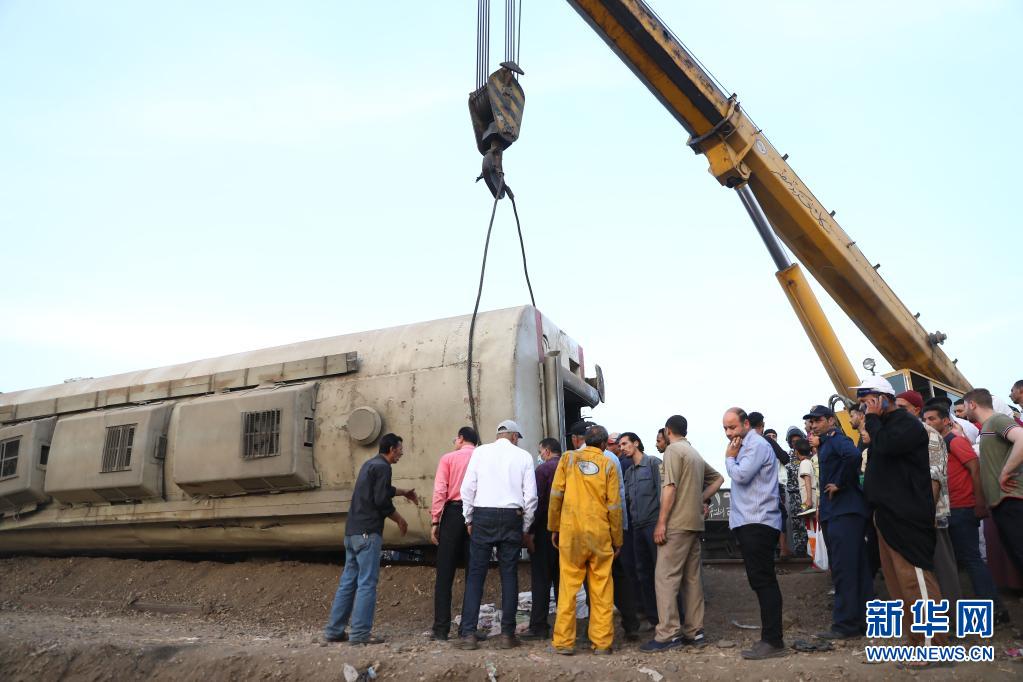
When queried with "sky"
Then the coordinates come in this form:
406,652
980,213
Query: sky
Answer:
190,179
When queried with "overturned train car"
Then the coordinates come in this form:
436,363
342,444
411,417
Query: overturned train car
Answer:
259,451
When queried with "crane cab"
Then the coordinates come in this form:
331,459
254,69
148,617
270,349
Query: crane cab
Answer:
908,380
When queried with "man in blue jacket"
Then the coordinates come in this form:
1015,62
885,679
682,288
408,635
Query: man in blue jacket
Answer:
844,516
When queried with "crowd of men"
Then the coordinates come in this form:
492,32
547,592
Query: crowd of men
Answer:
905,498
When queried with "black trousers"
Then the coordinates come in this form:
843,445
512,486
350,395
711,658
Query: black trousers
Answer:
544,571
873,553
624,594
757,542
850,571
452,553
628,556
1008,518
645,550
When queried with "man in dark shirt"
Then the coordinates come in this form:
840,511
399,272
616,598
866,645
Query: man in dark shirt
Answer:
898,486
356,595
844,516
544,567
643,503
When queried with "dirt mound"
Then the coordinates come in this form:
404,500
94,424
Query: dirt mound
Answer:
264,592
125,619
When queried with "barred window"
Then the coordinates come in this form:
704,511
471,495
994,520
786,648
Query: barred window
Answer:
261,434
9,458
117,448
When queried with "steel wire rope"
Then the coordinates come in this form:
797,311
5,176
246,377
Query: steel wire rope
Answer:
476,308
479,290
522,247
518,44
479,40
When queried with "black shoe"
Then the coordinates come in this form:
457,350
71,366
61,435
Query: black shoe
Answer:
531,636
835,634
762,650
632,636
699,639
467,643
343,637
654,646
1002,618
438,636
507,642
369,641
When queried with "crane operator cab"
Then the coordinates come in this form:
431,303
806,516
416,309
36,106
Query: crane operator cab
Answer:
908,380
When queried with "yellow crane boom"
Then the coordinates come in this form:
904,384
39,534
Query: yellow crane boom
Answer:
742,158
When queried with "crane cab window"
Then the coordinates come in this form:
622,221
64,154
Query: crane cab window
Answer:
908,380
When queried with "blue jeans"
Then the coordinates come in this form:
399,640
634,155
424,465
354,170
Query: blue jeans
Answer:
963,529
500,528
356,596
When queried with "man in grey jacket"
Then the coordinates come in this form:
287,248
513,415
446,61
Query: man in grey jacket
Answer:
643,501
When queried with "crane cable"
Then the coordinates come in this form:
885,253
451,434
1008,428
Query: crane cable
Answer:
479,290
512,48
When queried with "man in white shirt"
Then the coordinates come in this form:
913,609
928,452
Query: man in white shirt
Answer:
498,503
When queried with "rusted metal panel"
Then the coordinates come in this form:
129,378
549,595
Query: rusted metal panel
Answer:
76,403
191,386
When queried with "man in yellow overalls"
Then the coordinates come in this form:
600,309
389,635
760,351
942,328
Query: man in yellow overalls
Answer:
585,519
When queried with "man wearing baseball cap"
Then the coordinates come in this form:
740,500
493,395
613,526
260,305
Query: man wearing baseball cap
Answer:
844,516
897,485
498,503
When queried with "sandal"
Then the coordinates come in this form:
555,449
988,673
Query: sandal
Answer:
812,646
923,665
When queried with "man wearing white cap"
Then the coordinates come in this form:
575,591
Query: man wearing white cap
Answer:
498,503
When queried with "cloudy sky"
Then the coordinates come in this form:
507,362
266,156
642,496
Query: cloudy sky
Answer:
182,180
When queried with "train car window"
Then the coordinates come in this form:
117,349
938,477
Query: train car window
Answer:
9,458
117,448
261,434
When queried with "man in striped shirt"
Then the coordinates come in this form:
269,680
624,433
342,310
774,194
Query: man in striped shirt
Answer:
755,518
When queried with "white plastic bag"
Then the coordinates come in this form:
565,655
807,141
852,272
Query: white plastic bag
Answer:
820,551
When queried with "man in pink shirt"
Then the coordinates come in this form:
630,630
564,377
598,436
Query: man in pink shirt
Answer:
447,529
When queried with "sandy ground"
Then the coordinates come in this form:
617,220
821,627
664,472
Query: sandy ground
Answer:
119,619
